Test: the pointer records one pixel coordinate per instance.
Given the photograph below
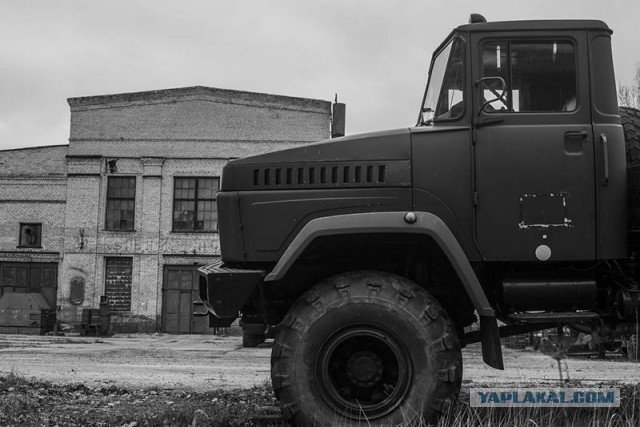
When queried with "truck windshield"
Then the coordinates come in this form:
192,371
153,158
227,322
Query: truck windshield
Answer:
444,99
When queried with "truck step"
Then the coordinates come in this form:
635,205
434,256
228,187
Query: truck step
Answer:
560,317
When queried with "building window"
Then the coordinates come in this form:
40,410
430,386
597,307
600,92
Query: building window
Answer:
117,283
31,235
121,203
194,204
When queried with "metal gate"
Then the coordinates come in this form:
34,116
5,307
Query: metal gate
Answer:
179,292
22,277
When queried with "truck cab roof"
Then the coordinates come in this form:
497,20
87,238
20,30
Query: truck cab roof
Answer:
535,25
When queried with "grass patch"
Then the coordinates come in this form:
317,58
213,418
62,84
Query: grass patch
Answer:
27,402
628,414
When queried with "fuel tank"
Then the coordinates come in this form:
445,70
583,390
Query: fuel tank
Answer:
265,200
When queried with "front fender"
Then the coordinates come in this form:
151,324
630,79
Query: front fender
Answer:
388,222
394,222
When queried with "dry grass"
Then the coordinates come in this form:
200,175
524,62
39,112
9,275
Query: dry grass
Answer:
628,414
28,402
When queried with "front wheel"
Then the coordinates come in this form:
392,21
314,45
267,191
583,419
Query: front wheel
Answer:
365,347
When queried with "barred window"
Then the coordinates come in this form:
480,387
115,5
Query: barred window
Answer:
194,204
121,203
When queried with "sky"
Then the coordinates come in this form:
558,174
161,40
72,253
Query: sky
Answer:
373,53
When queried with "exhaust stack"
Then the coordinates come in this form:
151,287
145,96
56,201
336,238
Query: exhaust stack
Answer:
338,118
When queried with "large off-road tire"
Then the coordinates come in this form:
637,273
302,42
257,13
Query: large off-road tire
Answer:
631,124
365,348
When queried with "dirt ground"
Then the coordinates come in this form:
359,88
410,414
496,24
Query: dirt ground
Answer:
206,362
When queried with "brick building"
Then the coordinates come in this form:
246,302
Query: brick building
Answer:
127,209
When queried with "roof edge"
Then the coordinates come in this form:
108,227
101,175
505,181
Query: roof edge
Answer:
224,95
33,148
536,25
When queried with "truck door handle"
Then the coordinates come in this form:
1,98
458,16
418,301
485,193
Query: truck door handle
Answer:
605,158
577,134
574,142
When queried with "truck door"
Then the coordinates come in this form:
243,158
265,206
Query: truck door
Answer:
534,149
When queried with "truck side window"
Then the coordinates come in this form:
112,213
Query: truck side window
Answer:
540,76
495,64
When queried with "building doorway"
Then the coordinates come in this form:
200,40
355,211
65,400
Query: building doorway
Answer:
179,292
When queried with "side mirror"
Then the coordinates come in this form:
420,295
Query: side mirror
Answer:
499,96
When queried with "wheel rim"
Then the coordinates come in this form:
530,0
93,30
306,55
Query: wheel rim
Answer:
363,371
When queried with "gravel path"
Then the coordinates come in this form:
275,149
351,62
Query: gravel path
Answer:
207,362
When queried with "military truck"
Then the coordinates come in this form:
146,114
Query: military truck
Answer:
508,200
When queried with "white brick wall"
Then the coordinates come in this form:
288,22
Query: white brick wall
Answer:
154,136
157,136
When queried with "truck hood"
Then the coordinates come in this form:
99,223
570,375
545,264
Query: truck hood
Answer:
389,146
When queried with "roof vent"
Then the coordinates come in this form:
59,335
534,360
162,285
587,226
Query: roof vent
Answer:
476,18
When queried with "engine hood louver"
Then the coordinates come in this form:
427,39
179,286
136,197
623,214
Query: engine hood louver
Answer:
381,159
394,173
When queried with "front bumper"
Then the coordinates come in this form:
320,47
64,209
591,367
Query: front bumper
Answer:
224,291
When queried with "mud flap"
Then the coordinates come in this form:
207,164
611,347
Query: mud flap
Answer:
491,348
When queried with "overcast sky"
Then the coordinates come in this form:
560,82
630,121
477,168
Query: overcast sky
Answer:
373,53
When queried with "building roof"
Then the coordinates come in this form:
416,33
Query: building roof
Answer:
222,95
34,161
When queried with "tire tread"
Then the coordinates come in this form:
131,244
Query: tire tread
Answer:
368,285
630,118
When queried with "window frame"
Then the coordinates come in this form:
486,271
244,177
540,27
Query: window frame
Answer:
195,201
23,225
509,41
111,179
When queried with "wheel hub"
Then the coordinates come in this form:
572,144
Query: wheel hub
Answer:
364,369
